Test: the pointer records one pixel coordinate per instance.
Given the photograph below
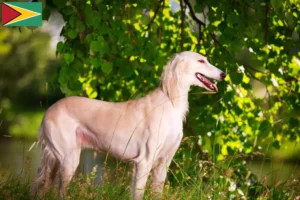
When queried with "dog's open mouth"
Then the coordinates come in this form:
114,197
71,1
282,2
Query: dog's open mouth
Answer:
206,82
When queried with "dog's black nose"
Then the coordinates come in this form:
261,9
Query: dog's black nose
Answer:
223,75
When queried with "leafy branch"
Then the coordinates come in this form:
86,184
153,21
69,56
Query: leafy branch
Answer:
182,17
193,15
200,23
160,4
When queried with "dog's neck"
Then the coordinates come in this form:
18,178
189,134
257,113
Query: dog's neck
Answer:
183,102
180,100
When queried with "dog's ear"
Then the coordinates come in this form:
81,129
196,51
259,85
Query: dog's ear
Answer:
171,78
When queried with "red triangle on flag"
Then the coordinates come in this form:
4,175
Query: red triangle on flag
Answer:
8,14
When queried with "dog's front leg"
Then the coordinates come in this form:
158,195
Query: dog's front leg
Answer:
160,169
159,174
140,175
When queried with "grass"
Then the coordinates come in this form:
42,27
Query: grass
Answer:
189,178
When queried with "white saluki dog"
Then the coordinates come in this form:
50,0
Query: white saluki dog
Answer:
146,131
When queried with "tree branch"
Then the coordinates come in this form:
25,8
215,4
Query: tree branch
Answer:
182,17
247,4
161,2
123,10
84,32
252,68
252,75
193,13
199,22
266,24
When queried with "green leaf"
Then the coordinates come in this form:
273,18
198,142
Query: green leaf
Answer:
72,21
60,3
95,62
81,56
237,110
276,4
68,10
68,58
59,47
126,72
280,23
79,26
78,65
92,93
74,85
88,38
107,67
63,74
72,34
46,13
97,45
264,128
276,144
89,18
230,150
236,78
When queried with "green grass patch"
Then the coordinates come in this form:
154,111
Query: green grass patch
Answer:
187,179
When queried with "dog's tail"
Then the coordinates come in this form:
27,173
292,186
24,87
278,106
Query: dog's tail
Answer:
49,163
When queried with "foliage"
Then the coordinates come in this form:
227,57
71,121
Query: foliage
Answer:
25,58
27,67
116,50
24,123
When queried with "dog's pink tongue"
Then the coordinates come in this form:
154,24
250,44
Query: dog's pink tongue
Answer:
210,85
214,87
207,83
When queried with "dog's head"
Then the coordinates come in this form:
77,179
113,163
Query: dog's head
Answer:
186,69
189,68
197,70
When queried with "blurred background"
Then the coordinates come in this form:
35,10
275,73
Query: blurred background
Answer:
29,84
27,87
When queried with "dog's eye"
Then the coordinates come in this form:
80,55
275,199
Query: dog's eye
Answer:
201,61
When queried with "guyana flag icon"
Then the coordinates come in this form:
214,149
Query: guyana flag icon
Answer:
22,13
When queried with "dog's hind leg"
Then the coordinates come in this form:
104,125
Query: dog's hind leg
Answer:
68,169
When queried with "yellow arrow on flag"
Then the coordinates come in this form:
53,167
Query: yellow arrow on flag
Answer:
25,14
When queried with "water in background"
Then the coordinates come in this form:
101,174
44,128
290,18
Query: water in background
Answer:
16,159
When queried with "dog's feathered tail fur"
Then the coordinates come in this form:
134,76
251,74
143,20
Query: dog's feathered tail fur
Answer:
49,163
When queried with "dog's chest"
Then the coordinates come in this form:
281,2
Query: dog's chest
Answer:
171,143
173,133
